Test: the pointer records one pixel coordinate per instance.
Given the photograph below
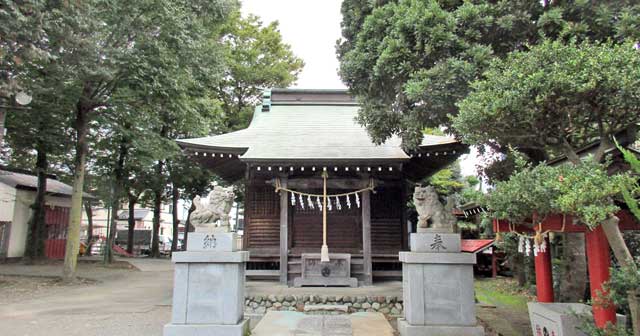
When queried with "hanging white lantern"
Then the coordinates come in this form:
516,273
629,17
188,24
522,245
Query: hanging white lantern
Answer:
348,201
310,202
521,245
301,201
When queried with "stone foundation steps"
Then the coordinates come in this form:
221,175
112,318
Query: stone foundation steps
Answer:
387,305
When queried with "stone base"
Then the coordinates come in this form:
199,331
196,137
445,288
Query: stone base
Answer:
212,242
435,242
325,282
407,329
239,329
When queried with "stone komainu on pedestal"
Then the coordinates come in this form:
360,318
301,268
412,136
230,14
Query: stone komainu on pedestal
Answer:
208,288
437,278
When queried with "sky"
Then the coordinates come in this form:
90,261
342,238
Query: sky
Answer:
311,28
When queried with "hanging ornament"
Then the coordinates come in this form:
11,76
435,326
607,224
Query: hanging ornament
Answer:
301,201
536,249
293,199
329,204
357,200
521,245
543,246
319,203
527,247
338,205
348,201
310,202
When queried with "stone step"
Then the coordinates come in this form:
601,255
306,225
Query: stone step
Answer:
326,308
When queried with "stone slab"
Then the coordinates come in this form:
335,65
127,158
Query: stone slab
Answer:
289,323
435,242
326,308
210,257
325,282
406,329
212,242
437,258
240,329
439,294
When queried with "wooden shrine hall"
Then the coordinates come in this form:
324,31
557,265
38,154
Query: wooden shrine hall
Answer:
295,136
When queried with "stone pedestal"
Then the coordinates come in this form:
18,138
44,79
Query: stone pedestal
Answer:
208,289
438,288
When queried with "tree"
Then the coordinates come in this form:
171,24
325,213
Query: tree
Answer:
409,62
256,58
557,97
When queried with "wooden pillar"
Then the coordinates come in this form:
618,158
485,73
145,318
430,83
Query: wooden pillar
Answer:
366,237
544,275
494,262
599,261
284,233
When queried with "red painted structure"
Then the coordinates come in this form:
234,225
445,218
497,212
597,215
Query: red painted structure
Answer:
598,257
56,221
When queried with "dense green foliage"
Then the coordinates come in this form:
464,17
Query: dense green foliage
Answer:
555,97
585,191
410,61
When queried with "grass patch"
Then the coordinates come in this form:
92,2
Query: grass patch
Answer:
502,292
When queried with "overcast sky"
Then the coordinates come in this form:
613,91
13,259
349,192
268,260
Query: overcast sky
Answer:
311,28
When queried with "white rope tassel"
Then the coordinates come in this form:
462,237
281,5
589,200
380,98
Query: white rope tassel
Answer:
348,201
329,208
293,199
319,203
527,247
521,245
357,200
310,202
543,246
536,249
301,201
338,205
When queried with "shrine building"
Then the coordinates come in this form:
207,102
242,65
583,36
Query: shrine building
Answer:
296,135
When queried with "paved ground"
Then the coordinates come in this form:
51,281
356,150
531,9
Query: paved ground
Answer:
118,302
134,301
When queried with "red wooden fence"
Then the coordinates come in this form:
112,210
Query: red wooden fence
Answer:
56,220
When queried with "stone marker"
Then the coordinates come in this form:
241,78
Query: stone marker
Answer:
336,272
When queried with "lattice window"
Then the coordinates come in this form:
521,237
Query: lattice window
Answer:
264,202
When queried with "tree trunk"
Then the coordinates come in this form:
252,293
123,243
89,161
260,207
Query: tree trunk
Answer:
155,242
574,274
625,259
187,223
89,212
37,226
75,217
132,223
115,200
175,195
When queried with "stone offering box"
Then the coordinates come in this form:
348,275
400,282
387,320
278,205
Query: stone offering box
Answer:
559,319
336,272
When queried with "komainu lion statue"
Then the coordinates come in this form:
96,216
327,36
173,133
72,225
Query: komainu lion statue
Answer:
220,201
431,211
